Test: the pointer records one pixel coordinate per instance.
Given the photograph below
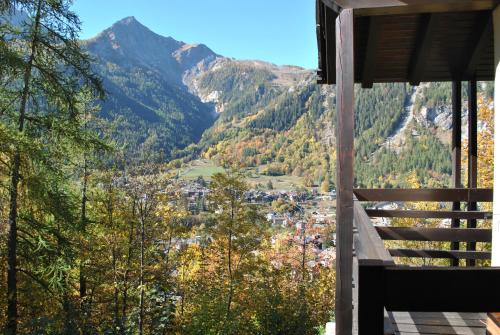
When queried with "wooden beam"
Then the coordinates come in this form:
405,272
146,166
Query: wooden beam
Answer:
422,48
472,158
345,169
370,248
437,289
367,8
456,140
434,234
320,39
429,194
451,254
472,136
330,39
332,5
477,42
493,324
371,51
456,145
495,243
416,214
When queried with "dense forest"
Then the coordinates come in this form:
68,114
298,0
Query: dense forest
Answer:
93,242
289,130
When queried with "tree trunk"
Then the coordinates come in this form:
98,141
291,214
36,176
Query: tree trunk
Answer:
83,280
115,293
141,302
230,271
229,263
127,271
11,325
70,327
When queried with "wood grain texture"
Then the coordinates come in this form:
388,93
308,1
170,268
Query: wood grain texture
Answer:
418,214
369,246
434,234
439,195
451,254
345,169
418,47
456,151
472,158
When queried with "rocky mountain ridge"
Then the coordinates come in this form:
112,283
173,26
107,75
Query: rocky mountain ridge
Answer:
185,101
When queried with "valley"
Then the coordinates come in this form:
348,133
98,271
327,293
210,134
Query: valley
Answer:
188,103
154,186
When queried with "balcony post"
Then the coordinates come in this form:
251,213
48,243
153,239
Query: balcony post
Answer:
345,169
495,252
472,159
456,145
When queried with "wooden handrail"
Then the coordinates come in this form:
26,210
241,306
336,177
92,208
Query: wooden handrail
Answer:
370,249
431,253
417,214
445,195
434,234
383,285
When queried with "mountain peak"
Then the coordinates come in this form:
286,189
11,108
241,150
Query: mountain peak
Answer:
130,43
129,20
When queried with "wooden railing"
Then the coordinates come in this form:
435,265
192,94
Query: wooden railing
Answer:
440,194
382,285
452,235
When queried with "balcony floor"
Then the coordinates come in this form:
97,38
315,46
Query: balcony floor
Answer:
406,323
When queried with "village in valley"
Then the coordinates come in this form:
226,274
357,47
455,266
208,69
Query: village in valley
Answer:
304,218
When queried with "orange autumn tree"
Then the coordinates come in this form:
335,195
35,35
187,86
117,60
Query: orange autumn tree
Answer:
485,159
484,145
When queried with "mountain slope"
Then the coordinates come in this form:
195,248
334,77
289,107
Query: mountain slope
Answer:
278,121
184,101
142,73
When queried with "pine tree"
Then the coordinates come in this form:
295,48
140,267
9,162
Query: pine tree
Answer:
52,70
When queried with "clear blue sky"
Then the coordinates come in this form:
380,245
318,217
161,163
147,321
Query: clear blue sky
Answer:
279,31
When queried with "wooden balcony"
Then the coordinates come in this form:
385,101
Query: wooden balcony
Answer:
401,299
410,41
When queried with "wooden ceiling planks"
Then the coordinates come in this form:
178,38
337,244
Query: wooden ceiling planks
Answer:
383,7
416,47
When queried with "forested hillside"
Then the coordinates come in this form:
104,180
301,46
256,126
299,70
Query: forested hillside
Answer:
142,75
183,102
90,247
278,121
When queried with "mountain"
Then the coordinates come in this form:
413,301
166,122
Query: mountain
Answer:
278,121
142,74
183,101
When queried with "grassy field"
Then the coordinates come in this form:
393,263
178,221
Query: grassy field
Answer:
206,168
279,182
201,167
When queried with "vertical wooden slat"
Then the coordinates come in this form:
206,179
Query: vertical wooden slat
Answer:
371,51
423,43
472,159
456,152
320,37
330,39
345,174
